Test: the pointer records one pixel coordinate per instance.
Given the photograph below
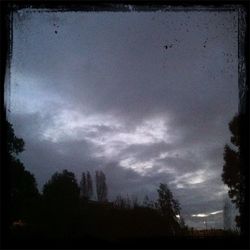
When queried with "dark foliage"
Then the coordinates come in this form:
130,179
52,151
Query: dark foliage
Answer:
231,175
61,190
23,188
101,186
166,202
15,145
86,186
169,207
24,193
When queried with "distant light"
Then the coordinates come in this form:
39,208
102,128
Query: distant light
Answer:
206,215
216,212
199,215
178,216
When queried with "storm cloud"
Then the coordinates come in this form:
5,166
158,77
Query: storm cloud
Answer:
100,90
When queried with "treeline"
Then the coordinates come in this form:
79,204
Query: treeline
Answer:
66,211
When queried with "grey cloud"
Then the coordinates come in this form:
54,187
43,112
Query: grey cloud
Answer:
128,89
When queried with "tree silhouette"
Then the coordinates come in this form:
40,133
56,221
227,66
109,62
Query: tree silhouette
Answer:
169,207
15,145
89,186
101,186
124,203
182,223
231,169
166,203
83,186
86,186
120,202
23,186
61,190
24,193
61,206
145,201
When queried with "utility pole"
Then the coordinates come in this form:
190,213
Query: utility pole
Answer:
205,222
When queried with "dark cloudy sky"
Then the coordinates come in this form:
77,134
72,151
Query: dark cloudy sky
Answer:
98,90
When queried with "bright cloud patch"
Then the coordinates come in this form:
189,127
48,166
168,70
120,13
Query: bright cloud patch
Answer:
138,166
74,125
191,178
201,215
105,131
110,135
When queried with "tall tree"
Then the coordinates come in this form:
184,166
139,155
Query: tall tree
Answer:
231,170
89,185
83,187
101,186
169,208
86,186
166,202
